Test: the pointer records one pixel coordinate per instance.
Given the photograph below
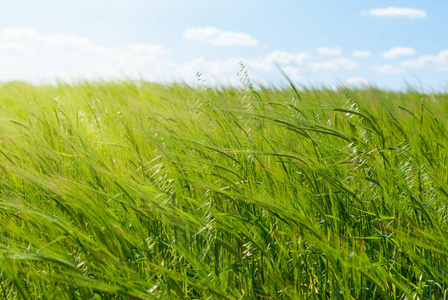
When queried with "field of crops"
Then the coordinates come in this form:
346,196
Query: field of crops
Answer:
129,189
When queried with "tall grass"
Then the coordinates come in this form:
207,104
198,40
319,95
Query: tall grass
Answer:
136,190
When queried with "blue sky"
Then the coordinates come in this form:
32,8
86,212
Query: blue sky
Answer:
391,44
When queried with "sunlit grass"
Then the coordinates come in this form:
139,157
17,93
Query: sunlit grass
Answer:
138,190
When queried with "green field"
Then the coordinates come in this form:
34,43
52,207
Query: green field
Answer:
130,189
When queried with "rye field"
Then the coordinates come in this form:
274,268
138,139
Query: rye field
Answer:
136,190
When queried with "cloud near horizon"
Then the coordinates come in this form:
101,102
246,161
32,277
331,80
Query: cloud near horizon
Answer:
29,55
356,81
218,37
285,58
388,69
437,62
326,51
333,64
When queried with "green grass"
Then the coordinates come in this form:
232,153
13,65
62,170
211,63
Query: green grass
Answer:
137,190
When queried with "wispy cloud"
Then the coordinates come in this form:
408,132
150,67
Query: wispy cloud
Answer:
412,13
212,67
29,42
399,51
285,58
333,64
438,61
356,81
361,53
293,64
326,51
292,72
29,55
388,69
289,62
218,37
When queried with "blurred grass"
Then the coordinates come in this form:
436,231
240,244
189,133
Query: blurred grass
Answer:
132,189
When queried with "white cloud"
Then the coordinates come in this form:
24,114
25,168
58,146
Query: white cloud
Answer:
28,42
336,51
398,12
223,69
292,72
260,64
213,71
218,37
361,53
356,81
286,58
438,61
14,48
7,60
388,69
399,51
333,64
66,41
29,55
15,33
